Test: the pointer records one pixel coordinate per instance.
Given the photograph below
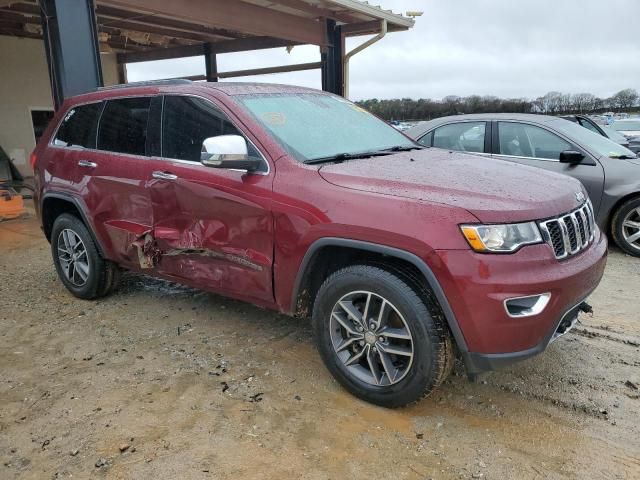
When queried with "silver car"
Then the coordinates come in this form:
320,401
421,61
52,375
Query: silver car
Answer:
609,171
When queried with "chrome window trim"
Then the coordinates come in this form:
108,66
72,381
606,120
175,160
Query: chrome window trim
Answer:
145,157
573,143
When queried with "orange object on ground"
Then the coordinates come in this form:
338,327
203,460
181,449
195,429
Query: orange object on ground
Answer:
11,205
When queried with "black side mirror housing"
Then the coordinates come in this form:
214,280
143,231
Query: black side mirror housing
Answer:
571,156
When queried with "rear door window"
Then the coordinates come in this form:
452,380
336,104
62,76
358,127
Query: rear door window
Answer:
124,125
463,136
78,128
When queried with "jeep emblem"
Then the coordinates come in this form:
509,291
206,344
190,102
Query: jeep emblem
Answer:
580,197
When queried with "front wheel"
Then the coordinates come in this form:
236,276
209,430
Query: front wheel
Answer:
625,227
79,265
378,338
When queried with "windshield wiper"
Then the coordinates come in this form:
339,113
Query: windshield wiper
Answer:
623,157
346,156
400,148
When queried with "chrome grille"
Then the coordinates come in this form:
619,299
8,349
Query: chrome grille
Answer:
571,233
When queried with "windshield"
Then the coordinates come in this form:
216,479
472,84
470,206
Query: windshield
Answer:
626,125
314,126
597,144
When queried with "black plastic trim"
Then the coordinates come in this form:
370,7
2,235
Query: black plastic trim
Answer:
79,206
392,252
483,362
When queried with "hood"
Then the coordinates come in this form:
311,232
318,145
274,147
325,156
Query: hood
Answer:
494,191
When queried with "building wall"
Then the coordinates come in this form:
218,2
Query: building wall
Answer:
24,85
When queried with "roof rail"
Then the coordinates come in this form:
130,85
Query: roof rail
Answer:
148,83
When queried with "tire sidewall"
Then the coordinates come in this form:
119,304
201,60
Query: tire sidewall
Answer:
617,227
70,222
422,373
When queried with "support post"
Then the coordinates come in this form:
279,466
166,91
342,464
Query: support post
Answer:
210,63
72,48
331,59
122,73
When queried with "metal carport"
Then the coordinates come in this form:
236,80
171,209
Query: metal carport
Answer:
75,32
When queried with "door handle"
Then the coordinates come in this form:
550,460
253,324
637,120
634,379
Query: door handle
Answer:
164,176
87,163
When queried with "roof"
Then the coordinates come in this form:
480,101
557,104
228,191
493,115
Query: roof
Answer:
423,127
183,86
129,26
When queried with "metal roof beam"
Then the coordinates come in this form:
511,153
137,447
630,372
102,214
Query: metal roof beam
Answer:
236,15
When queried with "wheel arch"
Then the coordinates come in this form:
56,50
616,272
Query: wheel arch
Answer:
54,204
328,254
616,206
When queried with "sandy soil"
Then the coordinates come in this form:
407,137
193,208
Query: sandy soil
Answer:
161,381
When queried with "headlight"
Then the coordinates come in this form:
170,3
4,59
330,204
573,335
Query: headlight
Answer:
501,238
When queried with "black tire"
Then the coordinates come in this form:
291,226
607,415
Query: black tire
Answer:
432,345
617,227
103,275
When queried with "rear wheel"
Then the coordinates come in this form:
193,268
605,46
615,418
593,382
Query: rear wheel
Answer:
79,265
378,338
625,226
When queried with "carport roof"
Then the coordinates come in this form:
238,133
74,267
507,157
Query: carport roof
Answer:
152,26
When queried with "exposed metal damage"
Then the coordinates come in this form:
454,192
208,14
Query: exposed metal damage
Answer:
149,254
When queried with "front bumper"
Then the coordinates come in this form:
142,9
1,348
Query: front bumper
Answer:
476,286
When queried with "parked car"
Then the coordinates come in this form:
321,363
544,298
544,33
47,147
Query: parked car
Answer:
609,172
302,202
630,128
603,130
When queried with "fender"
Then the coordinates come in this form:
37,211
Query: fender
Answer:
391,252
80,207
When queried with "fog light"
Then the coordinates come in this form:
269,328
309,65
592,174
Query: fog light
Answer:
526,306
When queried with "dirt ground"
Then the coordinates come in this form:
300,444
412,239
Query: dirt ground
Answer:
161,381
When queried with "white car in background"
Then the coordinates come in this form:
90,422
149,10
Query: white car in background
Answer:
630,128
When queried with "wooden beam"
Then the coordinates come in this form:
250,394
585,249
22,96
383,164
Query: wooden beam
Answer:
105,22
265,71
251,43
117,14
228,46
18,32
233,15
162,54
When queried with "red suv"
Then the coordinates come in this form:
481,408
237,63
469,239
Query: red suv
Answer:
302,202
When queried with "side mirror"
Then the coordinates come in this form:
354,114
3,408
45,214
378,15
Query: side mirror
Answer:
571,156
228,151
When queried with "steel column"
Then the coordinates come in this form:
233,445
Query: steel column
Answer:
210,64
72,48
331,59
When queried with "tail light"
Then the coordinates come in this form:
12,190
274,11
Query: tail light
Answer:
33,159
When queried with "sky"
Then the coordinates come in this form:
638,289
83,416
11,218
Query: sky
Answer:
507,48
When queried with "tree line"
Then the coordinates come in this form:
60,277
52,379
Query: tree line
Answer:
553,103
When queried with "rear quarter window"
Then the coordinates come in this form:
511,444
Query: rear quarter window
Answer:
78,127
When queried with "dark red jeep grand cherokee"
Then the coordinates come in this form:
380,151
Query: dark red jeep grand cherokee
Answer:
301,202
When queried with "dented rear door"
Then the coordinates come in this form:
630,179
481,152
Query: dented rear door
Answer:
114,177
212,228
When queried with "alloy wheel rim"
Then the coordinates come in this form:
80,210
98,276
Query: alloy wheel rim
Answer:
631,228
73,258
371,338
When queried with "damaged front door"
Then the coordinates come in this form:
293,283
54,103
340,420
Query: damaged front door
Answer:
212,227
